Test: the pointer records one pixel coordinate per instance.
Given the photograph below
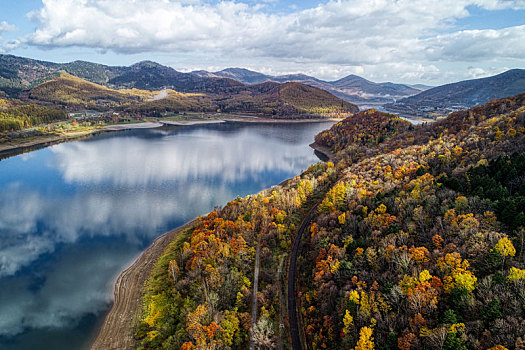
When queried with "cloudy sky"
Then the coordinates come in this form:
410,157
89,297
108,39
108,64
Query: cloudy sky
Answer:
411,41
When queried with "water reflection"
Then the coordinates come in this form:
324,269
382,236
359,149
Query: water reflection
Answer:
73,215
199,153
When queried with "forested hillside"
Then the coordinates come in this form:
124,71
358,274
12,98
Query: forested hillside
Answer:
417,242
269,99
16,115
67,89
421,246
463,94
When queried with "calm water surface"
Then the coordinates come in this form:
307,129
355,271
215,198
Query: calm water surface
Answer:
73,215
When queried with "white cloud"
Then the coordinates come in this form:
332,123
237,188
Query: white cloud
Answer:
338,32
7,46
335,36
6,27
203,166
475,45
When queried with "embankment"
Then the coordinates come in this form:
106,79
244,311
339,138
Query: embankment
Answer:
117,329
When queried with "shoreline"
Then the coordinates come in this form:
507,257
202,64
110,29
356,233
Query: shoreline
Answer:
323,150
7,151
117,327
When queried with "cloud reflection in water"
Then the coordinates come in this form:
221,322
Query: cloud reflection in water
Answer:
64,237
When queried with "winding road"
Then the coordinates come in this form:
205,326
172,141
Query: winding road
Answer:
292,304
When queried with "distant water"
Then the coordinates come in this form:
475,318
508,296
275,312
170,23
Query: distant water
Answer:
73,215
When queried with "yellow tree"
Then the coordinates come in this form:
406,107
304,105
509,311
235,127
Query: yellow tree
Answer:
505,248
366,341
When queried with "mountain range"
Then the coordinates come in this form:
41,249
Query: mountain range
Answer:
49,85
241,88
352,88
448,98
18,73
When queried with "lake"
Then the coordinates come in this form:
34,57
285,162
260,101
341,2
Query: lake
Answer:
73,215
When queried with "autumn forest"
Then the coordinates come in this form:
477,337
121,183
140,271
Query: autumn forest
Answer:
416,241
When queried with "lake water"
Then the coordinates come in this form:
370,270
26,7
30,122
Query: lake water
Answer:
73,215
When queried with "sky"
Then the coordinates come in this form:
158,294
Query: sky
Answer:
409,41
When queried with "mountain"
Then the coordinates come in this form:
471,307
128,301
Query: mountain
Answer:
270,98
83,84
456,96
421,87
366,91
352,88
147,75
401,89
93,72
243,75
411,238
18,74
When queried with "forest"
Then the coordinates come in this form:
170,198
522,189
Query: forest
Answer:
15,115
290,100
417,242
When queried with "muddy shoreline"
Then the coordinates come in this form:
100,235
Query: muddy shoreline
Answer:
117,329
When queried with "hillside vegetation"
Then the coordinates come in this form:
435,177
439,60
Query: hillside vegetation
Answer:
16,115
67,89
270,99
417,242
462,94
307,99
173,102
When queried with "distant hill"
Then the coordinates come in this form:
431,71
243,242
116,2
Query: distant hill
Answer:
16,115
146,75
448,98
270,98
288,99
67,89
352,88
94,72
18,74
242,75
421,87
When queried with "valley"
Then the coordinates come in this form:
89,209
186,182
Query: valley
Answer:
408,235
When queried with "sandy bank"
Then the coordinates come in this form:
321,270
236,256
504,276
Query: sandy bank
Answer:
191,122
43,142
147,125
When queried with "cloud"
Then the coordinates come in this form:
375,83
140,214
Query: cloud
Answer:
6,27
79,283
204,167
337,32
7,46
476,45
178,160
329,40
